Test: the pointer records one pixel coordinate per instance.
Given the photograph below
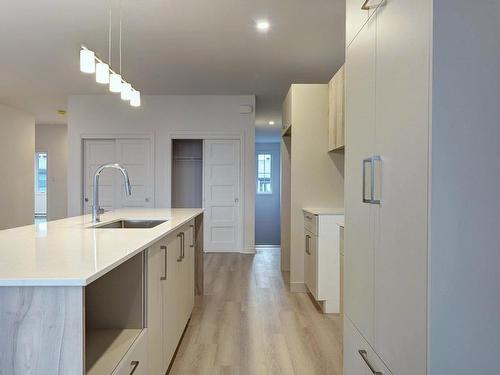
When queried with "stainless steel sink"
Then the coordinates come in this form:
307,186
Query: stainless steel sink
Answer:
132,224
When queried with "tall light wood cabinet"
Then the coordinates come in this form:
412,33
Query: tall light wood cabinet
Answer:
407,183
336,113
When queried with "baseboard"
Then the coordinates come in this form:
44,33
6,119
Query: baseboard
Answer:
297,287
248,250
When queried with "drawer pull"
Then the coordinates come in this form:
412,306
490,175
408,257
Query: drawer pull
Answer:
164,277
364,355
194,236
134,365
181,236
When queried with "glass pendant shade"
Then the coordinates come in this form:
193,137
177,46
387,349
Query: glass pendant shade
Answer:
135,98
126,91
115,82
102,73
87,61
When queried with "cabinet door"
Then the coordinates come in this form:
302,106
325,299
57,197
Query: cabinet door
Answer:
403,55
171,308
189,263
331,115
339,108
356,363
156,273
308,261
360,138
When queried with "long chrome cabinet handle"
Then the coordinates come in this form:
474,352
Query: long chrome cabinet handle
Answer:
134,365
308,238
194,236
164,277
180,235
374,159
363,180
364,355
183,245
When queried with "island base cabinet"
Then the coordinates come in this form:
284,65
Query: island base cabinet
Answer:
171,290
359,357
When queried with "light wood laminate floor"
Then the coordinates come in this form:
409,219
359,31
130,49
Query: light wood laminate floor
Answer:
248,322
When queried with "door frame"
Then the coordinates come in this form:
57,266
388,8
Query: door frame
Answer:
114,136
225,136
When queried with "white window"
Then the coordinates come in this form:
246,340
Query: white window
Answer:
264,174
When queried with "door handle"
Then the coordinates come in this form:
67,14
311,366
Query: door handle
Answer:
194,236
164,277
364,355
134,365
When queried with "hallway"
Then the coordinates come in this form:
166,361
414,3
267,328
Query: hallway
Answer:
249,323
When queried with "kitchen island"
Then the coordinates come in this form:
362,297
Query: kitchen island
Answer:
77,298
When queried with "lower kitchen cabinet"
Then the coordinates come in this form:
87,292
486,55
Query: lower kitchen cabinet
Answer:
322,257
136,360
170,295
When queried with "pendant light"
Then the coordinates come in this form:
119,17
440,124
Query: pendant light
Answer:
135,99
126,91
90,63
87,61
115,82
102,73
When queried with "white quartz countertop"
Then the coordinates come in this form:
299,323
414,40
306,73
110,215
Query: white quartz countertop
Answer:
69,252
324,211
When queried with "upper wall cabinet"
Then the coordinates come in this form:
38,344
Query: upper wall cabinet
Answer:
336,140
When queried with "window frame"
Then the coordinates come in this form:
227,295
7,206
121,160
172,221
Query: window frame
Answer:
266,180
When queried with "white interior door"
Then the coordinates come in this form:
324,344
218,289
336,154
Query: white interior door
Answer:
98,152
222,196
135,155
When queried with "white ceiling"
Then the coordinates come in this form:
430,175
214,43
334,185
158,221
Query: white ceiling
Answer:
169,47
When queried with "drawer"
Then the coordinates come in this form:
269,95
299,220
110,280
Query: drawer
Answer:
135,360
311,222
359,355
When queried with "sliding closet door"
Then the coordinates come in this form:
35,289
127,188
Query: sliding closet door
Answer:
222,196
136,156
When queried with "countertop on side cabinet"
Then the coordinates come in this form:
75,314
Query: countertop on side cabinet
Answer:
69,252
324,211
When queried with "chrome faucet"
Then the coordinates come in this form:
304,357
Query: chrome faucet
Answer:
96,210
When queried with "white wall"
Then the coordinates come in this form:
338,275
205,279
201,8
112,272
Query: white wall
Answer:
163,117
53,139
17,152
465,236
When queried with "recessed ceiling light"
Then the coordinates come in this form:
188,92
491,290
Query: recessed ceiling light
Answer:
263,26
271,122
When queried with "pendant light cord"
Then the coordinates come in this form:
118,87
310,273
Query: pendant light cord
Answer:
120,10
109,34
